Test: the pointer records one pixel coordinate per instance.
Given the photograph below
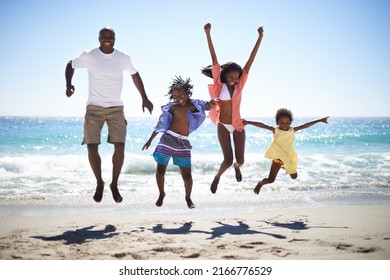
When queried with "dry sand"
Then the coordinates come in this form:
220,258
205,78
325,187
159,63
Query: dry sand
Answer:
315,233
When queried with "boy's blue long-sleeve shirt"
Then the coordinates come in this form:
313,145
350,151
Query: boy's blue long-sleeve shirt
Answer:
195,118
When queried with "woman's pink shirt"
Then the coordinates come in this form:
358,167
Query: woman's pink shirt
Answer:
215,89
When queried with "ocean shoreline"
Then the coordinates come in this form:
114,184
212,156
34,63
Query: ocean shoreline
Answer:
338,208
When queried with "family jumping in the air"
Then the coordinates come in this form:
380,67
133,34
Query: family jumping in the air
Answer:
180,117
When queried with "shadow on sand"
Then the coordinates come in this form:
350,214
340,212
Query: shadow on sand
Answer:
241,229
79,236
297,225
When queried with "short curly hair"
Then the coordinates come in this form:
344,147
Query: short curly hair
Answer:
283,112
180,83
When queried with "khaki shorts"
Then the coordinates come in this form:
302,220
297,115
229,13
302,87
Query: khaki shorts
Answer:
94,121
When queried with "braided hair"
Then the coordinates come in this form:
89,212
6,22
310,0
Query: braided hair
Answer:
180,83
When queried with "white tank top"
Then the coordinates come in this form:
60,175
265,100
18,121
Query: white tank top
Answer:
105,73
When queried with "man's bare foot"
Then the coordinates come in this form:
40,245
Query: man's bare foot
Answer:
115,193
190,204
214,184
160,200
238,173
258,187
99,192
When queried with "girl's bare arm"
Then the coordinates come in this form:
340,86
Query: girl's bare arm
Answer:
259,124
309,124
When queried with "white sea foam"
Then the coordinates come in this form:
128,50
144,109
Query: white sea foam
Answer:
69,179
43,163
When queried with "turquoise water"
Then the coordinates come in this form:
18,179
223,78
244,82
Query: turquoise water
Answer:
59,136
42,161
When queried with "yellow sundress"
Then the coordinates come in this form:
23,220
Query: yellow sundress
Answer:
282,148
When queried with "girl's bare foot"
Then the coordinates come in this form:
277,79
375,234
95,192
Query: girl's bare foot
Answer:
258,187
99,192
160,200
115,193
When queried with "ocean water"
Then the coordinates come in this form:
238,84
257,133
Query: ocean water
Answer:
44,166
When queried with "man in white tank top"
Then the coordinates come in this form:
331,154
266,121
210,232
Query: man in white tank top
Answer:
105,66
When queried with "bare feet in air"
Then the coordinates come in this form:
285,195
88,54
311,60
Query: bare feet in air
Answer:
99,192
190,204
258,187
214,184
115,193
160,200
238,173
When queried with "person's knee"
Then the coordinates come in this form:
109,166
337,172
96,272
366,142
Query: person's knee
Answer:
93,149
186,174
160,174
187,178
271,180
119,147
160,171
228,161
240,161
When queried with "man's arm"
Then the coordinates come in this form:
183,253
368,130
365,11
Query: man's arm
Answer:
141,89
69,71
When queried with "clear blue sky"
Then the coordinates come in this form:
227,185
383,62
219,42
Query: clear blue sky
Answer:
317,58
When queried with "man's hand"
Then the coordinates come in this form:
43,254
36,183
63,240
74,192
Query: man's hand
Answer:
149,105
69,90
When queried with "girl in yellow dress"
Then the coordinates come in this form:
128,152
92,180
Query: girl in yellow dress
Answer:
281,151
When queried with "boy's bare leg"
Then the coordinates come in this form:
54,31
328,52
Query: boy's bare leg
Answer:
188,182
117,163
275,167
95,162
160,200
160,178
190,204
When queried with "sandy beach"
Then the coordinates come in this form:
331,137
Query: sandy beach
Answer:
311,233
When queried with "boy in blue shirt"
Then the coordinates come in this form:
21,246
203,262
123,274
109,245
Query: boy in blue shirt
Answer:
178,120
